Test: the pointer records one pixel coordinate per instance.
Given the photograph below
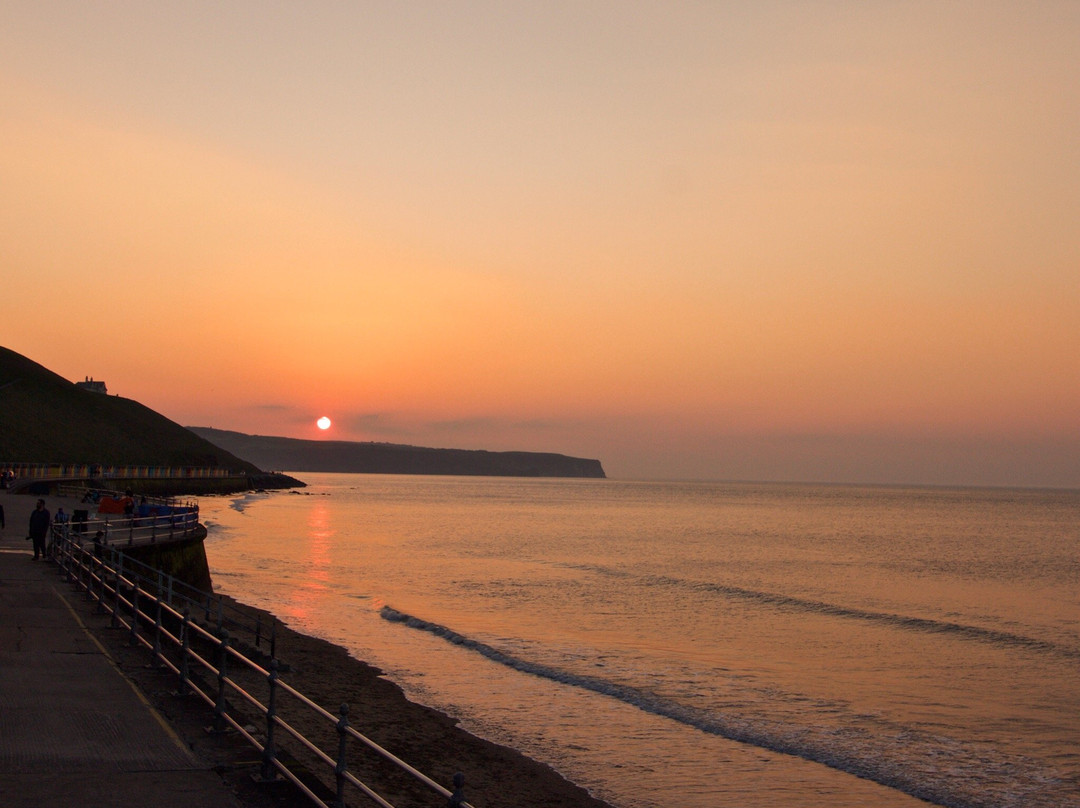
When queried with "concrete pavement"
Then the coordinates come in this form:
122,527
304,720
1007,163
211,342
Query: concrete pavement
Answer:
75,729
17,508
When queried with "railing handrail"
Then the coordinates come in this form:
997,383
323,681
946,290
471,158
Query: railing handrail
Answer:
176,591
124,532
130,530
102,581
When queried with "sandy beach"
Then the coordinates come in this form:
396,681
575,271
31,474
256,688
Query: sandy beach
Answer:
424,738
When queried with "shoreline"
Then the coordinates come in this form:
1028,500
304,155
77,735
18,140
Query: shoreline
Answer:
495,776
422,736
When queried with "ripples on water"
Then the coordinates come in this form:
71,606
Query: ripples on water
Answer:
700,644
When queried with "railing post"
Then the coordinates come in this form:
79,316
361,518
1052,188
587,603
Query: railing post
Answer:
220,724
63,564
269,772
118,566
87,565
101,582
157,631
258,629
340,768
134,638
185,647
68,568
458,796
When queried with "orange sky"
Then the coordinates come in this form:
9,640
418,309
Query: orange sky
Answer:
809,241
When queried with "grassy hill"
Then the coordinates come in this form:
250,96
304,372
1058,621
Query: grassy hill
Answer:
44,418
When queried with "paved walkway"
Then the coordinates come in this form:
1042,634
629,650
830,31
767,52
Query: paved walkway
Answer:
17,508
74,731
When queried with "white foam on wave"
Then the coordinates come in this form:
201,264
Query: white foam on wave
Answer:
855,751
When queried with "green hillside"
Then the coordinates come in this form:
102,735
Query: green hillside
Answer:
44,418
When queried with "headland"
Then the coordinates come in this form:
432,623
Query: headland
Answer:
353,457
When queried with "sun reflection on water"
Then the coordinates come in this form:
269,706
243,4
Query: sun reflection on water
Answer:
312,591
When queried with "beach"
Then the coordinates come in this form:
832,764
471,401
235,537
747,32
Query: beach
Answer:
659,643
425,738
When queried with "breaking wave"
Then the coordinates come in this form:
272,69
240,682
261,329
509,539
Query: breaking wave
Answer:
881,758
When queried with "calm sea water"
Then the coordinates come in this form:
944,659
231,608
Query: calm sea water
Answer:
702,644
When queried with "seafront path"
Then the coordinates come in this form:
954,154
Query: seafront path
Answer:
74,730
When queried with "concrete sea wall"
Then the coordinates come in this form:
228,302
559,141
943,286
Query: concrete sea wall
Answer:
184,560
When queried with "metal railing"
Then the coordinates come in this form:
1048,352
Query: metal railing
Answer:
209,668
122,532
209,607
131,530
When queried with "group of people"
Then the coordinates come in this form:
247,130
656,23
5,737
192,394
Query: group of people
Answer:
40,523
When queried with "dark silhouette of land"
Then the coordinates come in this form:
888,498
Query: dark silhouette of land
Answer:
44,418
297,455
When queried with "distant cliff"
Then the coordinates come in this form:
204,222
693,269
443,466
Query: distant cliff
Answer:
388,458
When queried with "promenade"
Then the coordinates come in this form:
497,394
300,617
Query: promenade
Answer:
74,730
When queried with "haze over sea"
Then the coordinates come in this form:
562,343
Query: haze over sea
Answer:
702,644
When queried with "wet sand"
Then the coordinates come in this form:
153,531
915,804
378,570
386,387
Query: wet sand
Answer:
425,738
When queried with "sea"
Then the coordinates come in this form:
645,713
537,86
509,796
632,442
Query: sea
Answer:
701,644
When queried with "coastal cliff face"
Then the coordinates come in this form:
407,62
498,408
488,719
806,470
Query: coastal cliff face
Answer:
388,458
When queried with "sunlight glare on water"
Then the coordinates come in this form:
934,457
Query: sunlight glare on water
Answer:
701,644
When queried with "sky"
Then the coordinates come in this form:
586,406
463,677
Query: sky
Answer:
800,241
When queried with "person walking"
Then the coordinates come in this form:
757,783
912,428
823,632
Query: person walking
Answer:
40,520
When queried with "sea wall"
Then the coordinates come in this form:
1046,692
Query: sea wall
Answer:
200,486
184,560
178,487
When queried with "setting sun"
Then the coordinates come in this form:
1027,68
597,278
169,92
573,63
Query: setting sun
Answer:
323,423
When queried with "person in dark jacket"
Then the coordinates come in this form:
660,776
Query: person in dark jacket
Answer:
40,520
